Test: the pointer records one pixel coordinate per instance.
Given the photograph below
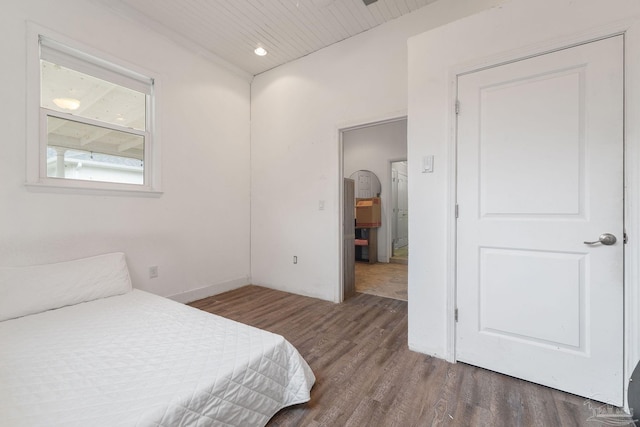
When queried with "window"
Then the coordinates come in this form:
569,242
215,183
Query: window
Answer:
95,121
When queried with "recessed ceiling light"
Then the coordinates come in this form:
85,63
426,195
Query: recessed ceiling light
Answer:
67,103
260,51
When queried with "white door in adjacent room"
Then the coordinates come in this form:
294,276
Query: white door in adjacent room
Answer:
400,204
540,173
403,210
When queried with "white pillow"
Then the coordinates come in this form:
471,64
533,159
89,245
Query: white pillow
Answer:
29,290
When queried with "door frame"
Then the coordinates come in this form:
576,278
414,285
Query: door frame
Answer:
630,29
341,129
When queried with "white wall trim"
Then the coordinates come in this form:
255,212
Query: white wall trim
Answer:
339,295
546,46
632,200
452,199
630,28
387,118
207,291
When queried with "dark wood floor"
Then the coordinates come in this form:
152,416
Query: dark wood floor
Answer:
366,375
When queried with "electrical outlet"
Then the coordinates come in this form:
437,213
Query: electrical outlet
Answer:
153,272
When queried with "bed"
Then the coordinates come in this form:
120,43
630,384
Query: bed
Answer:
80,347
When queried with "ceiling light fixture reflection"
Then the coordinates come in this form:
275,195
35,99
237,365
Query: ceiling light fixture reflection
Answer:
260,51
67,103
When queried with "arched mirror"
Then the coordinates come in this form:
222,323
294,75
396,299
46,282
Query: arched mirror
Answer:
367,184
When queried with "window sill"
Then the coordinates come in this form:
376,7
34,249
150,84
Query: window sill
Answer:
92,188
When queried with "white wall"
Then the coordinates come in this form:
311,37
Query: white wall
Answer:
373,148
197,232
296,113
516,28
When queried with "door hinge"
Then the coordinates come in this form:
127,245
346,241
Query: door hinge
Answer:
457,107
456,314
625,238
457,211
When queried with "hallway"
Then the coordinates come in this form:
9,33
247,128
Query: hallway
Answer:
385,280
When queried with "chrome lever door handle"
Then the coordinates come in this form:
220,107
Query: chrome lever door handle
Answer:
607,239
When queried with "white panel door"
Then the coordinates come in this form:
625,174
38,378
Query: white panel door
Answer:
394,204
403,210
540,171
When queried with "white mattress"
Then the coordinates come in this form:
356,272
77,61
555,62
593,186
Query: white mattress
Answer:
142,360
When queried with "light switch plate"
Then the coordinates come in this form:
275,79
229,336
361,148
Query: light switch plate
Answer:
427,164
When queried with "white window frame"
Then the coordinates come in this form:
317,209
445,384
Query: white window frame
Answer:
95,63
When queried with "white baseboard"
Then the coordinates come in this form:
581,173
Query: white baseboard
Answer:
207,291
433,352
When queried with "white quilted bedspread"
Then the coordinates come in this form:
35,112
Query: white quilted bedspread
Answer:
142,360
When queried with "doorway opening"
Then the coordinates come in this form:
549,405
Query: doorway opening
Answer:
399,213
374,227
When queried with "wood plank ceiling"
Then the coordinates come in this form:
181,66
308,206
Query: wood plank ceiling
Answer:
287,29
